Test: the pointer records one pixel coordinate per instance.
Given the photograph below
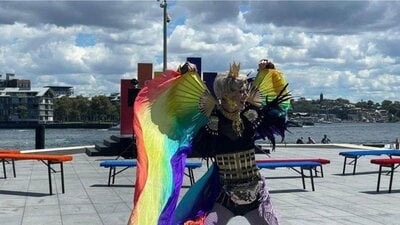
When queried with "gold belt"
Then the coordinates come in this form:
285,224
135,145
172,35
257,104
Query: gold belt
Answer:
237,166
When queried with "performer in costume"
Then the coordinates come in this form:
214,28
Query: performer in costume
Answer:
176,115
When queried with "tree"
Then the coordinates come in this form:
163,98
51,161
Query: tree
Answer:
305,106
362,104
386,104
22,111
370,104
393,108
342,101
62,108
80,109
102,108
81,106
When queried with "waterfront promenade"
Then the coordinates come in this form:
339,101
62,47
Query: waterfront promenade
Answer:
88,200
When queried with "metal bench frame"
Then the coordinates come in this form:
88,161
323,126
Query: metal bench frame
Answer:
48,160
319,160
355,155
308,165
126,164
391,163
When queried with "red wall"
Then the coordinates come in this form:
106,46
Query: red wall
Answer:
145,73
126,111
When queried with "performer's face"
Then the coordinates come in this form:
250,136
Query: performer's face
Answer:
235,100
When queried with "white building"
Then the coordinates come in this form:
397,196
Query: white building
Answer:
22,105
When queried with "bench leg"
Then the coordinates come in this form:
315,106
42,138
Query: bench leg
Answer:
62,177
4,168
49,173
13,165
191,174
109,177
113,176
355,165
302,178
391,178
379,178
344,165
322,171
312,179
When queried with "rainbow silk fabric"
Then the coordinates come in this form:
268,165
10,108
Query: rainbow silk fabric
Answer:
166,116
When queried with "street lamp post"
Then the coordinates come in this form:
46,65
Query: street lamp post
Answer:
163,5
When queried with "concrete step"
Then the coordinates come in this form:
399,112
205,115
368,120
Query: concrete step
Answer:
111,143
106,150
116,145
122,138
92,152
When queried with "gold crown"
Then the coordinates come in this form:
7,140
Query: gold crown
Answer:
234,70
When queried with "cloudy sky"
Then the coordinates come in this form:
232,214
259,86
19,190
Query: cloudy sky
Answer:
339,48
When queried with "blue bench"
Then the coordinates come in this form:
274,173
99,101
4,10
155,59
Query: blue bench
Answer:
319,160
309,165
355,155
113,164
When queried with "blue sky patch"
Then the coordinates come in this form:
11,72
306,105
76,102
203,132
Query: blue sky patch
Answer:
85,40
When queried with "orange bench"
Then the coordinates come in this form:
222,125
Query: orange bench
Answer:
10,151
48,160
16,151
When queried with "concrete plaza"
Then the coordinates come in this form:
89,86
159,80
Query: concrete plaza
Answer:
338,199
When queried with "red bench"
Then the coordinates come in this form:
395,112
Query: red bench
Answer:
386,163
48,160
318,160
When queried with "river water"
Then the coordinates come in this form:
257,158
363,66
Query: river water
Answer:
354,133
24,139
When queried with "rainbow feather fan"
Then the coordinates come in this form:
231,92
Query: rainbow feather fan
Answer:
270,84
167,114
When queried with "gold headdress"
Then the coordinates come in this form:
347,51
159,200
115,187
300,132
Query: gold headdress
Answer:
234,70
222,89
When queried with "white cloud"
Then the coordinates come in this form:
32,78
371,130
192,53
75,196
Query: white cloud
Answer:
342,49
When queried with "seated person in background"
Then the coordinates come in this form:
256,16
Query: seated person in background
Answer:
325,140
300,141
310,141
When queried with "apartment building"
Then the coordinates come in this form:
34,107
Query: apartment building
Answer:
26,105
61,90
12,82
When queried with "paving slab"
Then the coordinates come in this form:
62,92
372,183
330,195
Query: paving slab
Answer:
337,199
